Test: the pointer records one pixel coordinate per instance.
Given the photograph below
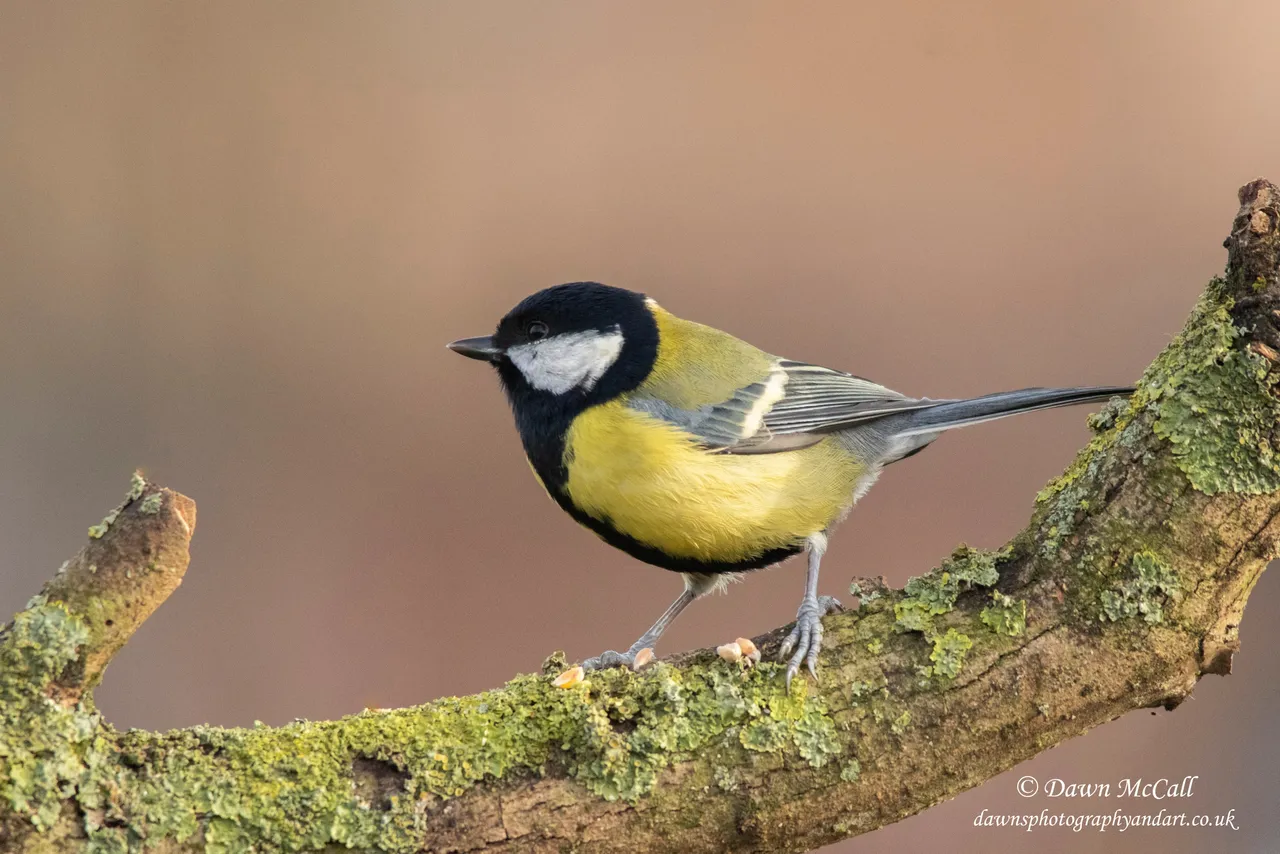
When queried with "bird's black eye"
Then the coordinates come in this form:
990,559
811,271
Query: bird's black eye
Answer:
535,330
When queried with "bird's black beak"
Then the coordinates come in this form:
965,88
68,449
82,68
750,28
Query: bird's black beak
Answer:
481,348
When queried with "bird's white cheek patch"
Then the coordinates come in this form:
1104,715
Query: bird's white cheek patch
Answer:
563,362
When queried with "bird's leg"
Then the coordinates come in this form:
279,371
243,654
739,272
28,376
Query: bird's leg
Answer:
610,658
806,638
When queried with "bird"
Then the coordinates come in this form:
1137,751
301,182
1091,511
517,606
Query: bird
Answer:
696,452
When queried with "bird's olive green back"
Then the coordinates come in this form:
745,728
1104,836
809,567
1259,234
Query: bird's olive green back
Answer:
698,365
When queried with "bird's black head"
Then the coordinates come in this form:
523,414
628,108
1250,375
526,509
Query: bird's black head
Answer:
561,351
570,346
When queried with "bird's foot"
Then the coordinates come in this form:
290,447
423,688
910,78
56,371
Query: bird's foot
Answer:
806,638
632,659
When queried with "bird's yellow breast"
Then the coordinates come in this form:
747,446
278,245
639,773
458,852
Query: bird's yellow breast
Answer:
651,481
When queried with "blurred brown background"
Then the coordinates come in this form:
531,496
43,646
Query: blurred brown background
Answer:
235,237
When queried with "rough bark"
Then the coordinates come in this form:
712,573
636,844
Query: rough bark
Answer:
1127,586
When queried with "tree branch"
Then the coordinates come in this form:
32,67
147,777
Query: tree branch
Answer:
1127,586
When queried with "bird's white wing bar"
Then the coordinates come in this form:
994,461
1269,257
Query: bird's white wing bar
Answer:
820,400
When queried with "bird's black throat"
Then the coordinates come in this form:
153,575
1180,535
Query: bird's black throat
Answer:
542,417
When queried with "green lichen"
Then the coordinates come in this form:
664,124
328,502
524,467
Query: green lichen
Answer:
933,594
1108,416
764,736
806,726
815,739
884,709
43,744
1069,493
151,504
912,616
851,771
948,653
137,486
862,690
1111,425
929,596
727,779
108,840
1215,405
1005,615
1066,497
294,788
865,597
1149,585
874,646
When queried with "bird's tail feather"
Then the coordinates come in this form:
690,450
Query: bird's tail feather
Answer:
948,415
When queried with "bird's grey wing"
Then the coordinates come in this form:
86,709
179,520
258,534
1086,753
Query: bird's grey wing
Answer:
820,400
793,407
718,426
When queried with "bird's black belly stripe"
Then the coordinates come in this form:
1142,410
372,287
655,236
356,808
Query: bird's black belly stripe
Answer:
657,557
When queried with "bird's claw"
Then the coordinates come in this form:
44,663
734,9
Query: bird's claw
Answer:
609,658
806,637
631,659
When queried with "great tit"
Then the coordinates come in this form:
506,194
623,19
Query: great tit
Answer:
694,451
